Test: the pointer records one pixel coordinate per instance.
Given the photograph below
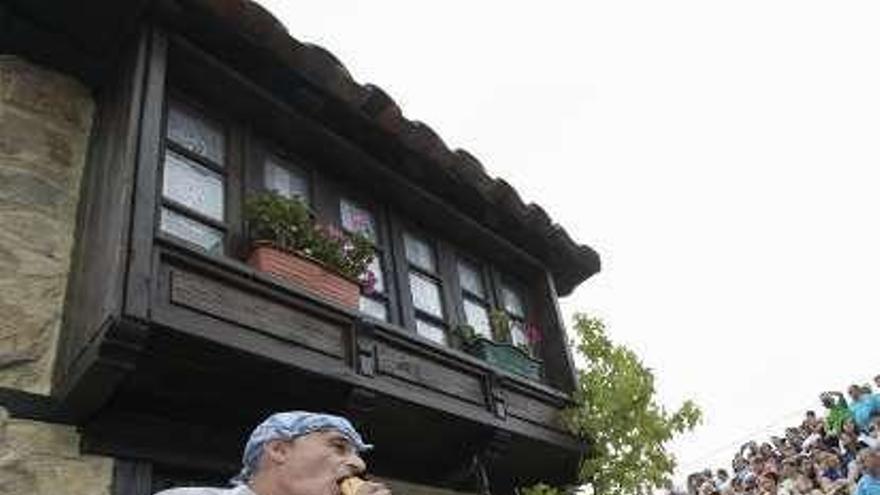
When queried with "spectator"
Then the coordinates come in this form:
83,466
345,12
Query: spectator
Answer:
832,455
872,437
831,477
804,485
767,484
722,480
810,420
787,475
863,406
870,482
838,411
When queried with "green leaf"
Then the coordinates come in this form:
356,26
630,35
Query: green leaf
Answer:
616,410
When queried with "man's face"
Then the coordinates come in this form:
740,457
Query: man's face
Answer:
313,464
855,392
766,484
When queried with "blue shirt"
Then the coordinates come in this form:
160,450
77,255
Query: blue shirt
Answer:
863,409
868,485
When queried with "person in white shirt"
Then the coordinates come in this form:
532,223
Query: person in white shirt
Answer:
298,453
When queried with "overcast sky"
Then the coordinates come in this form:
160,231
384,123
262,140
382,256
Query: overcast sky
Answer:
722,157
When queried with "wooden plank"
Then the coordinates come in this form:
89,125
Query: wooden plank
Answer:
139,283
533,410
430,374
94,292
559,364
132,477
227,303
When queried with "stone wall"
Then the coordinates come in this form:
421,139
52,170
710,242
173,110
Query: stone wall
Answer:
45,118
44,459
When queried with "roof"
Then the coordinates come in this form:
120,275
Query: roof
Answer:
492,202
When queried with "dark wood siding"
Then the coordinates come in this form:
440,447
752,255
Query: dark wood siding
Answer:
100,256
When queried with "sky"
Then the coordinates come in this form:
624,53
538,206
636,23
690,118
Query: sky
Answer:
722,157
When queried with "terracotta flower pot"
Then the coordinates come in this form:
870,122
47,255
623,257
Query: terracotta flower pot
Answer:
306,273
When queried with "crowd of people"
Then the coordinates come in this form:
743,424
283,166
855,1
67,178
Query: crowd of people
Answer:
836,453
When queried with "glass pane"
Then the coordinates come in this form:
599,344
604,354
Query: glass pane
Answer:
187,229
513,303
419,252
285,179
374,308
357,219
426,294
517,333
431,331
478,317
375,267
193,185
196,133
470,279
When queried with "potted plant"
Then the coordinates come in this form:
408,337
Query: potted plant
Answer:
288,243
501,353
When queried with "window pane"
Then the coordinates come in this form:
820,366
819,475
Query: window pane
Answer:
187,229
513,303
419,252
478,317
470,279
285,179
193,185
196,133
374,308
375,267
357,219
517,333
431,331
426,294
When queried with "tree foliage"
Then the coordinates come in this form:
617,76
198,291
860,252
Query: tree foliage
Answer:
617,411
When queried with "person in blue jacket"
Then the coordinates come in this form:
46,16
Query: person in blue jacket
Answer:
870,482
863,406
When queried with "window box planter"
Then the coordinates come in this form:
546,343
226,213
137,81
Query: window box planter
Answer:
506,357
305,272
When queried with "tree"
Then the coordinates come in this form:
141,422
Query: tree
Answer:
617,412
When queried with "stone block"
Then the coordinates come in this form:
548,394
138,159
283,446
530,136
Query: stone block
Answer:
43,459
45,121
55,97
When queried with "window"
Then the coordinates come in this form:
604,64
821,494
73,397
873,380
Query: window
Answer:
425,287
286,179
473,296
512,302
194,179
355,218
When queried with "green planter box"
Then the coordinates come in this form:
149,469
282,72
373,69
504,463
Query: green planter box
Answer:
506,357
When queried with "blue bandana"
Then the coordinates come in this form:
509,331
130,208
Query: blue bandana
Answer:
290,425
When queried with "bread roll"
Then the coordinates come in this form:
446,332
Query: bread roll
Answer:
349,486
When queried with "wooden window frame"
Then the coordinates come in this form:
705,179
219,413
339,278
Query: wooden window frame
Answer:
502,280
444,259
258,149
228,171
487,300
382,247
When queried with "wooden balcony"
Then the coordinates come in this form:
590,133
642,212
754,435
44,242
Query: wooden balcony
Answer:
224,345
